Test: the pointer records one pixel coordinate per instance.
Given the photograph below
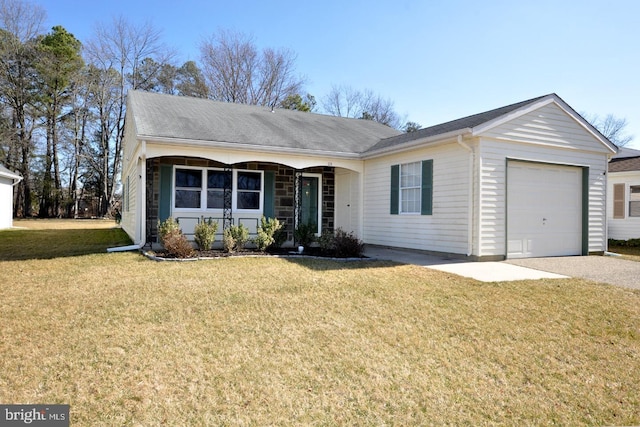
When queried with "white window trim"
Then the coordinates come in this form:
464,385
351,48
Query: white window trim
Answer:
203,191
319,176
400,188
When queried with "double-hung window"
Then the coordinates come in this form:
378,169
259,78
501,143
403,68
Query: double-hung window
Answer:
412,188
249,189
188,187
217,181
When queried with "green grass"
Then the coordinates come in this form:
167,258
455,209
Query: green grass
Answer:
45,239
265,341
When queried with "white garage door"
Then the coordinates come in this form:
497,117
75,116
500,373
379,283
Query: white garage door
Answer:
544,210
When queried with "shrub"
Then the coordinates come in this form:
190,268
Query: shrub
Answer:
235,237
631,243
205,233
327,242
279,237
305,234
347,245
266,231
168,226
176,244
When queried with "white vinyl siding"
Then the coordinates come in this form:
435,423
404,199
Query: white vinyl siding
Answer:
547,126
445,230
491,219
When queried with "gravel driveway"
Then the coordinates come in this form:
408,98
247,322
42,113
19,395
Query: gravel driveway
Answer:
606,269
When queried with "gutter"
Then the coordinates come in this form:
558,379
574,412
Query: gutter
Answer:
470,197
410,145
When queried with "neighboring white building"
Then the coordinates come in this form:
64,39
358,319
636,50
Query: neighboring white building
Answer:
623,213
7,180
524,180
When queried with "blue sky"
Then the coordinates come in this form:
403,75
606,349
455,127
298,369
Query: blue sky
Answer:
436,60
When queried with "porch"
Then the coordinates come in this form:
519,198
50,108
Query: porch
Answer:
190,189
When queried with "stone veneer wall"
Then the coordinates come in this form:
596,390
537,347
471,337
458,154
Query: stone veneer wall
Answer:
284,190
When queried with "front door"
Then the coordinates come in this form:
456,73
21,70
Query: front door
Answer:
310,201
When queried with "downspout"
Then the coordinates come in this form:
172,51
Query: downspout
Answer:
470,197
142,192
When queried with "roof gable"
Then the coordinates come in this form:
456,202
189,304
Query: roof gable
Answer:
487,122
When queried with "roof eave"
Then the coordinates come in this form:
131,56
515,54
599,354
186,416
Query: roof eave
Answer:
246,147
443,137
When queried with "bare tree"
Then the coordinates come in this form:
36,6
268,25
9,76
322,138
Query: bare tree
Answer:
344,101
117,52
236,71
21,23
613,128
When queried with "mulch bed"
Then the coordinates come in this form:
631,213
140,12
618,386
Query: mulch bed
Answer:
282,252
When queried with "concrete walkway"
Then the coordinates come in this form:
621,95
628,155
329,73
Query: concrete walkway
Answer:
482,271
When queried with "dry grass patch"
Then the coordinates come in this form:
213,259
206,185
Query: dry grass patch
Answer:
628,252
261,341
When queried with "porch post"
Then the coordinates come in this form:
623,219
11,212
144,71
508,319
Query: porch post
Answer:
150,211
227,214
297,199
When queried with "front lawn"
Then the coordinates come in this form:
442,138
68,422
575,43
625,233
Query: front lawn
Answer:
265,341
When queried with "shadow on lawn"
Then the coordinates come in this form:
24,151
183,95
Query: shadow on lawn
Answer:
24,244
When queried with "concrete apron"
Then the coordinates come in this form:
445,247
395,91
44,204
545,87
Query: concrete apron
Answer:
482,271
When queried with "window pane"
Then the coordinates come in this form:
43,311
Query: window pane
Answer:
187,199
188,178
410,175
218,179
411,200
215,199
634,209
248,200
248,181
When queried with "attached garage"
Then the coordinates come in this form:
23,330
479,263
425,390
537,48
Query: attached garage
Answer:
544,210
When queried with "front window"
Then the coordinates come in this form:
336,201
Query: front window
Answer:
410,187
188,188
217,180
203,189
249,187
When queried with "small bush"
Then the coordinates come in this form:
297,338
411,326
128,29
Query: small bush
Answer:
205,233
176,244
631,243
347,245
235,237
266,232
279,237
305,234
168,226
327,242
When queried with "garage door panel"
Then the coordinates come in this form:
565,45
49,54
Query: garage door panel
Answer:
544,205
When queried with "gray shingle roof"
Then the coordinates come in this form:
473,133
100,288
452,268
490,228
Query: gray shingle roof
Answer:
185,118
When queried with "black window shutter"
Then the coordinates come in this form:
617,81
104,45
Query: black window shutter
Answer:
426,207
395,189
